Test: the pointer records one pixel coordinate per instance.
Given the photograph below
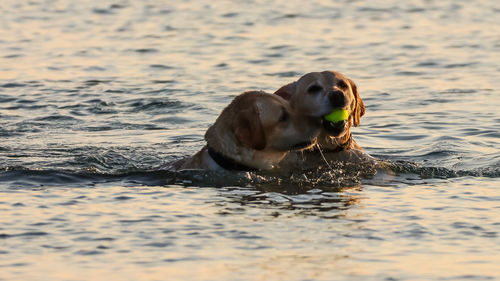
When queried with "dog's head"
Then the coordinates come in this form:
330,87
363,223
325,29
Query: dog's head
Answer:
316,94
257,126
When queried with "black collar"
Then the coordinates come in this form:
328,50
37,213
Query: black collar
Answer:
227,163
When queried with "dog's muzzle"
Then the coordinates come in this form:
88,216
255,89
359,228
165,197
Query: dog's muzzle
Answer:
337,98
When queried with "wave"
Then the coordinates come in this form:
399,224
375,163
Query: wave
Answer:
429,172
334,178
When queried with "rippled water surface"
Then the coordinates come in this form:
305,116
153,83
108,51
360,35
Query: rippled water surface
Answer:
97,96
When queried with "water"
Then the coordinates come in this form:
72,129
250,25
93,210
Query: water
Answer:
96,96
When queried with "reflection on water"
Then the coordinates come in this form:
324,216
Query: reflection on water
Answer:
372,231
97,96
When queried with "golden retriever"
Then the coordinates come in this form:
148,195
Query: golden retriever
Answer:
255,131
316,94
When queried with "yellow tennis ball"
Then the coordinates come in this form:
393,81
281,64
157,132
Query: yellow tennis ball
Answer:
337,115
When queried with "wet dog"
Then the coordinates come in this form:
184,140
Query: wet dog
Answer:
316,94
255,131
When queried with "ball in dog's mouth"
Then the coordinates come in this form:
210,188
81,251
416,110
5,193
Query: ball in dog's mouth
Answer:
334,129
337,115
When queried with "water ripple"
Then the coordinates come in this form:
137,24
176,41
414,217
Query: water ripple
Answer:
96,97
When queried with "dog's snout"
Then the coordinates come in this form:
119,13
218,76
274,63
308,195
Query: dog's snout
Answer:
337,98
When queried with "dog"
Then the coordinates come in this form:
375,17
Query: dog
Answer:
316,94
254,132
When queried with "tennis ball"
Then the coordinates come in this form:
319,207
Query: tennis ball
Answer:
337,115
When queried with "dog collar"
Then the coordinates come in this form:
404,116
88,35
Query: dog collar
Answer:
227,163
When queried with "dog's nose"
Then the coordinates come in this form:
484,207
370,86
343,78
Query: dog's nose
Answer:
337,98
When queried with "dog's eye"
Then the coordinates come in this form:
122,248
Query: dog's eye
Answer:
342,84
284,116
314,89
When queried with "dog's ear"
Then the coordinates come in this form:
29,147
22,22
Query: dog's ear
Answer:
359,110
287,91
249,130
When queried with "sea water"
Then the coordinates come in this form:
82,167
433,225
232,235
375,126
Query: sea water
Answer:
97,96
